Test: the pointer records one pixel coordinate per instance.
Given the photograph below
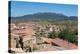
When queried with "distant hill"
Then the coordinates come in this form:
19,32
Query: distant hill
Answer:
45,16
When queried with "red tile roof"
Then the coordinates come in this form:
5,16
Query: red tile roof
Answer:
61,43
64,44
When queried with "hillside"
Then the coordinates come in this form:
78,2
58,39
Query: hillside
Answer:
45,16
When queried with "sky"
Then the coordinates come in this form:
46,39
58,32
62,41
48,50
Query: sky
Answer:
20,8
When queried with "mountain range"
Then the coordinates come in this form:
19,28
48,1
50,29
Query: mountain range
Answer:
45,16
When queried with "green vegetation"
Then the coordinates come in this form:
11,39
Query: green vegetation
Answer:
75,32
38,34
52,35
67,35
34,48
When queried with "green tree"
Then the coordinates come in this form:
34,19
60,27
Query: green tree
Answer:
52,35
67,35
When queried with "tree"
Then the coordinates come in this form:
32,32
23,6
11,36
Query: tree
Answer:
52,35
67,35
75,32
37,34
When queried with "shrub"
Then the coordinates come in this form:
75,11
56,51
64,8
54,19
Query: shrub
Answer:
67,35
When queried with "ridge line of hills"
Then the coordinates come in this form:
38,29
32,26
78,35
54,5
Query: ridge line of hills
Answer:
45,16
